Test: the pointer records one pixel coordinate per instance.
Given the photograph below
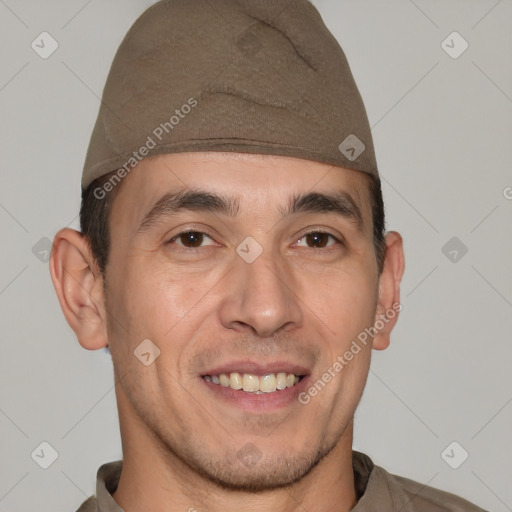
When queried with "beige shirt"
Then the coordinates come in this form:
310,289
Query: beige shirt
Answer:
378,491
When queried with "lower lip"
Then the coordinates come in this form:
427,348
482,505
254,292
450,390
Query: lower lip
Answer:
252,402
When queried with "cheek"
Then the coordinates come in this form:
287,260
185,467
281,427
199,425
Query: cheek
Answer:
154,304
152,301
148,305
345,301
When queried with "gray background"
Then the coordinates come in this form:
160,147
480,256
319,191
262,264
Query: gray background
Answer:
442,129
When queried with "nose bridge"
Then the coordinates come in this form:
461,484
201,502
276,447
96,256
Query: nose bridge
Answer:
261,292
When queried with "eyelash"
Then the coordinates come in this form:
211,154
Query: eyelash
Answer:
314,231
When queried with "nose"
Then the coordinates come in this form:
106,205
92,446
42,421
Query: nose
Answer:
261,296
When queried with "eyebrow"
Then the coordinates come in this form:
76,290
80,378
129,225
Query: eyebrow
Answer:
174,202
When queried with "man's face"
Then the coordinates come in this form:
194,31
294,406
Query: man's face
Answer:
213,304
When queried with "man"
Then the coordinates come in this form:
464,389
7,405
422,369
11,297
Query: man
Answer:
233,258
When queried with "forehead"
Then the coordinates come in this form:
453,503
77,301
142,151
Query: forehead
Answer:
257,183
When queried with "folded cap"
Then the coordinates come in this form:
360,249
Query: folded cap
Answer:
250,76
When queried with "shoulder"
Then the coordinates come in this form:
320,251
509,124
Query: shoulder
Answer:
417,497
379,489
89,505
107,479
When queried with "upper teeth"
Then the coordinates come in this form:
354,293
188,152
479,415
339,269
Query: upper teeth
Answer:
253,383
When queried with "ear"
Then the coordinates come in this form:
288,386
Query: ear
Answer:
388,304
79,288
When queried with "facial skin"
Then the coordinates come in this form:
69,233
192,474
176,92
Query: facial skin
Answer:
301,303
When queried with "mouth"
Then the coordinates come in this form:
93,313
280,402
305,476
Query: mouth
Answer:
256,387
255,384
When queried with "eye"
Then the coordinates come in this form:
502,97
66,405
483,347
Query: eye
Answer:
319,239
194,239
189,239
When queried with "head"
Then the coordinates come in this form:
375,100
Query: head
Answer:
248,245
299,305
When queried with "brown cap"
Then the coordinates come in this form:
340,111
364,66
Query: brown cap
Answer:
249,76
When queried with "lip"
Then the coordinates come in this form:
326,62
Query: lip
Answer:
245,366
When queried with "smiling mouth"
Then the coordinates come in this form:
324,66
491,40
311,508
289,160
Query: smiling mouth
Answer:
250,383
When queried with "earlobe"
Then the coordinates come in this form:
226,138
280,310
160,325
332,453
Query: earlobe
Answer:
388,305
79,288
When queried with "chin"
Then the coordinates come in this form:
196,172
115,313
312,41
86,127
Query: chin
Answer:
250,471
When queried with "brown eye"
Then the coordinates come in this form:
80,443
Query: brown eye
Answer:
189,239
318,239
